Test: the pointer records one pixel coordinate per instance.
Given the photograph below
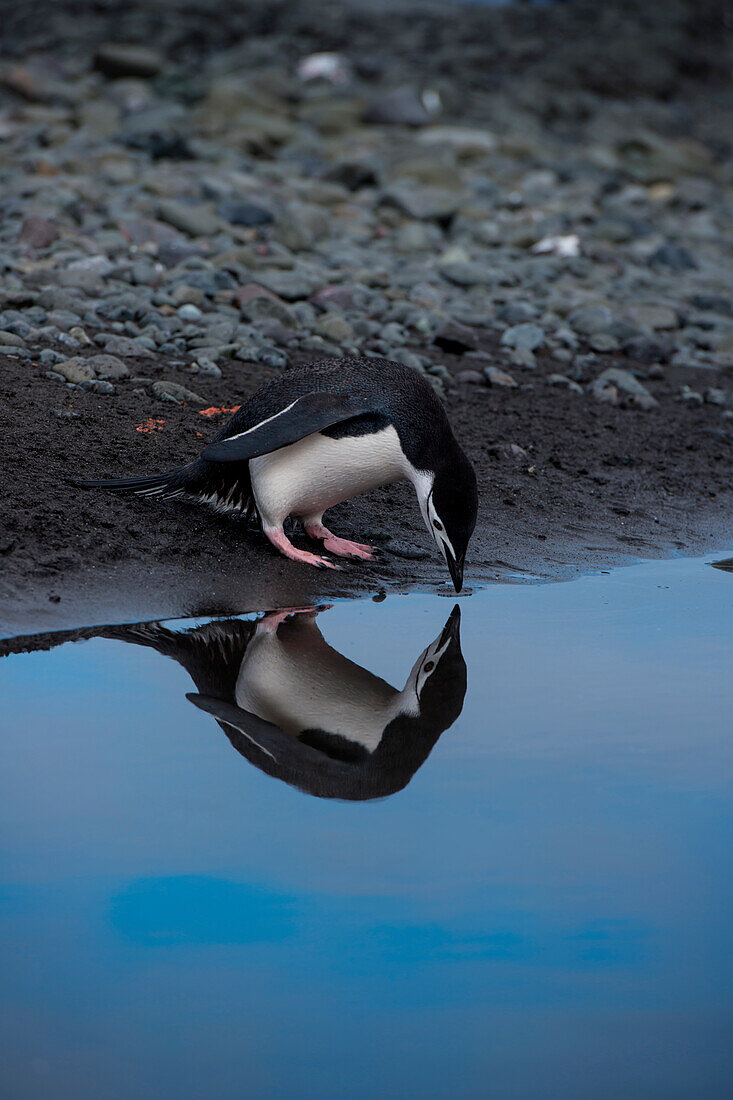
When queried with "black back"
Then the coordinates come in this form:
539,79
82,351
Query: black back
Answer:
397,394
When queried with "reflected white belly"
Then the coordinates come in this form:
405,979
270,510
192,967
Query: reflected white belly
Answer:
317,472
319,689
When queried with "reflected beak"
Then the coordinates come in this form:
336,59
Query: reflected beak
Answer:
452,629
456,569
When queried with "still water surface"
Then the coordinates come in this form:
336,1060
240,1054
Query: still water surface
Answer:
520,893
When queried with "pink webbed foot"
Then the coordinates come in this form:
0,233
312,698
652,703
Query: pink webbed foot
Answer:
281,542
343,548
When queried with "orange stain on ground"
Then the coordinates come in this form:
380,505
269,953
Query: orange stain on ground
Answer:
214,411
152,424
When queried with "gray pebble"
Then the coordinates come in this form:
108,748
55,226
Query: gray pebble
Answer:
563,380
527,335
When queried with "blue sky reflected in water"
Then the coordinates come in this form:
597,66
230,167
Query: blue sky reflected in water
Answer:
544,911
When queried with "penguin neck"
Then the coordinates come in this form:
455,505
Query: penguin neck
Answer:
423,481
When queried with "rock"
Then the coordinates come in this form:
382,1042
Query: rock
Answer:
65,414
331,67
496,377
394,334
400,107
175,392
690,396
195,220
644,401
108,366
122,345
527,335
185,294
266,307
115,60
516,313
76,370
410,359
249,291
272,357
96,385
624,380
10,340
566,246
248,214
49,357
510,452
470,377
339,297
653,317
588,320
149,231
563,380
469,273
422,203
455,338
467,141
79,334
189,312
301,225
714,396
12,349
38,232
353,174
208,367
158,142
290,285
333,326
523,357
646,349
603,342
87,274
715,303
674,256
605,392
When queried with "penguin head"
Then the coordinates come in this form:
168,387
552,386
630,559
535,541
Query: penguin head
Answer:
449,510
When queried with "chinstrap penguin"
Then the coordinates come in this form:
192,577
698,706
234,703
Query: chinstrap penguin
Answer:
296,708
319,435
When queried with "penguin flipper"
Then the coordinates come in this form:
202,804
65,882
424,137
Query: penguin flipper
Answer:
308,414
264,735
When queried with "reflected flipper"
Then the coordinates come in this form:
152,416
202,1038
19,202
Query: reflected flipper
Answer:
264,735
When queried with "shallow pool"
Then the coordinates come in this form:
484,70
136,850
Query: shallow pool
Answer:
380,852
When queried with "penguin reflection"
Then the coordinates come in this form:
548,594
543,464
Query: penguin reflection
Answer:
302,712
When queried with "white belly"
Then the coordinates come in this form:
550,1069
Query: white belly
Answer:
307,477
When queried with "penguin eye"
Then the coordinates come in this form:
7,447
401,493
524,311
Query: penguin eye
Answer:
437,525
429,666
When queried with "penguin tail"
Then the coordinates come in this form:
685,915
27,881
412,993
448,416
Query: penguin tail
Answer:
226,490
169,484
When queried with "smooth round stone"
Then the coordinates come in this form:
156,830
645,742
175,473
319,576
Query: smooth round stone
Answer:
189,312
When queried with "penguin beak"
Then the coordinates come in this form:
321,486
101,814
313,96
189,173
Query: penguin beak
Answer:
455,566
